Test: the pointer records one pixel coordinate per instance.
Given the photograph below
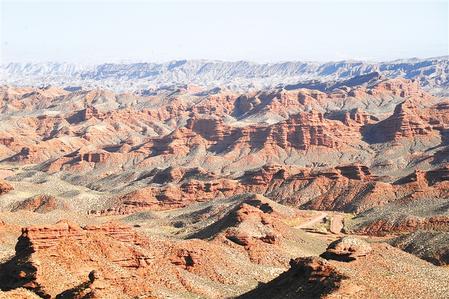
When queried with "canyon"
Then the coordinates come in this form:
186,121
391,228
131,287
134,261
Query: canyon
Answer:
186,190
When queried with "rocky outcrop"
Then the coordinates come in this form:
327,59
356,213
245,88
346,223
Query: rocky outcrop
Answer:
34,238
212,129
347,249
94,287
256,226
438,175
405,224
425,179
398,87
355,172
27,155
169,175
95,157
358,116
39,244
264,176
5,187
117,231
405,122
308,277
6,141
350,188
41,204
85,114
169,197
302,131
113,261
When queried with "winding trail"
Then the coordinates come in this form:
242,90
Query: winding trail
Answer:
312,221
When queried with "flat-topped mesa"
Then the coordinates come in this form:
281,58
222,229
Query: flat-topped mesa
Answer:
355,172
115,230
96,157
398,87
35,238
300,131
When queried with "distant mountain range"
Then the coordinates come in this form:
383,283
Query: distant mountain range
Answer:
432,73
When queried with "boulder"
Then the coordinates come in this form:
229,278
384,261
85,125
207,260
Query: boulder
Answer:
347,249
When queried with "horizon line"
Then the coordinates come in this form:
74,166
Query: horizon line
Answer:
130,61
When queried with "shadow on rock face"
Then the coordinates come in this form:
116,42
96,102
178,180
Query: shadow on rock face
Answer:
347,249
308,277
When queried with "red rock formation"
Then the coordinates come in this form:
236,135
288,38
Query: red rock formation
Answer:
347,249
355,172
169,197
212,129
405,224
5,187
424,179
170,174
60,244
85,114
117,231
113,261
308,277
95,157
41,204
305,130
357,117
437,175
399,87
405,122
27,154
34,238
6,141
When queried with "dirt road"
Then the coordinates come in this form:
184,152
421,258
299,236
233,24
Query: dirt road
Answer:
313,221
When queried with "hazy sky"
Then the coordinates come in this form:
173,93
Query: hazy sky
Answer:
112,31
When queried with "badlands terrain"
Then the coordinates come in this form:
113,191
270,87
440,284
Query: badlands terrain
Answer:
316,181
